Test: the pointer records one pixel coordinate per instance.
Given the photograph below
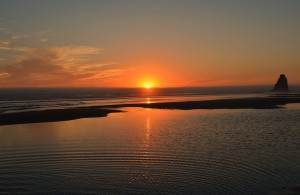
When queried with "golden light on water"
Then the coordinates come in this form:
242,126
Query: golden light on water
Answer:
148,101
148,129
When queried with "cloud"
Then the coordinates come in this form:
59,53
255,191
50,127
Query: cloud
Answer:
43,40
14,37
4,44
3,30
66,65
8,46
4,74
211,82
40,36
56,66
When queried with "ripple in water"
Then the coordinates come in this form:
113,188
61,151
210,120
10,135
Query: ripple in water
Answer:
155,152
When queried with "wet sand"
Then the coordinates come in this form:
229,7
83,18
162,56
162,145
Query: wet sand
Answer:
25,117
53,115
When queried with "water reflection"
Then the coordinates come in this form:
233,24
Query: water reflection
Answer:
151,151
148,101
148,132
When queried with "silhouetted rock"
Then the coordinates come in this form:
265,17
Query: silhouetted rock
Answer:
282,84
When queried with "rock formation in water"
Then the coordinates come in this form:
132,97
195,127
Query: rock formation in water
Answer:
282,84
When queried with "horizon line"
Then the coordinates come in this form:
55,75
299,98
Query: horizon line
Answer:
181,87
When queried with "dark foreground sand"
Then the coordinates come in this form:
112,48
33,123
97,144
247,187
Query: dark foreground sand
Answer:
102,111
53,115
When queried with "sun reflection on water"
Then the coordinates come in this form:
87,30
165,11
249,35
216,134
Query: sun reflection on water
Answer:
148,101
148,132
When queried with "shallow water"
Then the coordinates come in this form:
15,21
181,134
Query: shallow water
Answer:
18,100
150,151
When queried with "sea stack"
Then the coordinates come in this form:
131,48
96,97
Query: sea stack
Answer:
281,85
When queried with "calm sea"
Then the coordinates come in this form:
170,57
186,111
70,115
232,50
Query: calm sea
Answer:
152,151
14,100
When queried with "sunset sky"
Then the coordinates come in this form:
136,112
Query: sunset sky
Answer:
134,43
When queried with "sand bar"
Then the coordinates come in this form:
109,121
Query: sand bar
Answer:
25,117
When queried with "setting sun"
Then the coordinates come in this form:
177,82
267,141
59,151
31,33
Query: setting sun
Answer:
148,83
154,96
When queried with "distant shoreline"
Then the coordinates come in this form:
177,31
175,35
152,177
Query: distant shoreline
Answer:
26,117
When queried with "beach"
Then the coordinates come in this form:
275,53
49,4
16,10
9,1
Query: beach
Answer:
150,97
133,142
63,114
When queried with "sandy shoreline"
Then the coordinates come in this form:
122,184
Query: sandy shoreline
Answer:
102,111
53,115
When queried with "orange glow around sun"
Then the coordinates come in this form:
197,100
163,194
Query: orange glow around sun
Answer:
148,84
150,76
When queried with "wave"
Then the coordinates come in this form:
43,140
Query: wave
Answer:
12,100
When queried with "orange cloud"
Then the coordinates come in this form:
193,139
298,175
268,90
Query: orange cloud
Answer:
57,66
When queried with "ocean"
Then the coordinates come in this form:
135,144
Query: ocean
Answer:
150,151
16,100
